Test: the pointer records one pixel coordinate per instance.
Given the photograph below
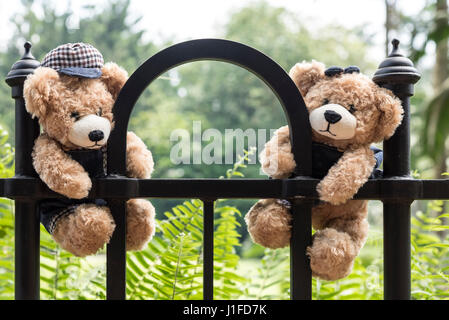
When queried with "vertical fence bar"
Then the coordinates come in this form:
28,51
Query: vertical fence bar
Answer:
396,217
301,238
116,253
397,74
208,250
27,237
397,274
26,224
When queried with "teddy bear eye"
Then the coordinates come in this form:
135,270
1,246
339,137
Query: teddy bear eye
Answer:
325,101
100,112
75,115
352,109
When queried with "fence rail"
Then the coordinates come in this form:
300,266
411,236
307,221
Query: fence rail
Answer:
397,189
119,187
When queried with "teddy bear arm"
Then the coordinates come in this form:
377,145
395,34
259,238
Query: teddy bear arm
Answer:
345,178
139,160
58,170
277,158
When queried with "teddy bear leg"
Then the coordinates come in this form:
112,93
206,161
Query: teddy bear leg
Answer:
140,223
337,244
86,230
268,223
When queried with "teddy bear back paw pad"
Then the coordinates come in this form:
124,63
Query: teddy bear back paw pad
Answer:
269,223
85,231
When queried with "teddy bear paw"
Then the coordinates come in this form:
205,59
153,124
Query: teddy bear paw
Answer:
332,195
140,223
86,230
269,223
331,254
77,187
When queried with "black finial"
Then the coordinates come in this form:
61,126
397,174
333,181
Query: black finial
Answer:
396,69
395,42
27,47
27,55
395,51
23,67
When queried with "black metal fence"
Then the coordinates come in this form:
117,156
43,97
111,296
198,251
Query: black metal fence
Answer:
396,189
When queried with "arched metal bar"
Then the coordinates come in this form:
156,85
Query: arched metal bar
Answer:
220,50
300,134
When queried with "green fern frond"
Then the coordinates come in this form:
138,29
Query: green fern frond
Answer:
268,282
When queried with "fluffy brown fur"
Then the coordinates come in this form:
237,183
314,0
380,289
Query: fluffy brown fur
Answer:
269,224
86,230
58,170
140,224
341,223
52,98
139,160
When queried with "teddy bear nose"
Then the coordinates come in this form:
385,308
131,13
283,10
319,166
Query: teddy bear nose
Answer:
96,135
332,116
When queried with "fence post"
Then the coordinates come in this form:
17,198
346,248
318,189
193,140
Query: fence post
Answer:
398,74
208,249
301,238
26,216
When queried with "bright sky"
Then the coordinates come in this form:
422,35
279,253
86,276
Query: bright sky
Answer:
189,19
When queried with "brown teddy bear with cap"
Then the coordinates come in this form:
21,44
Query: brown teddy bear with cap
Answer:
347,112
72,94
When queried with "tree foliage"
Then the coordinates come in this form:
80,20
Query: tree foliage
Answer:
6,221
426,30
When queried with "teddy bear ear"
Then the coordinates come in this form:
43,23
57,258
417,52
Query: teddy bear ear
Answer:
391,114
306,74
38,90
114,77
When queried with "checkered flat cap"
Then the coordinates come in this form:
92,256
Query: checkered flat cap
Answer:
75,59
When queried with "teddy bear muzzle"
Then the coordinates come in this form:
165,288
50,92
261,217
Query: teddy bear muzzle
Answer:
90,132
333,121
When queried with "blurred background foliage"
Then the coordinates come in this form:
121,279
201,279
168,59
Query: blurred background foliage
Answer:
223,96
